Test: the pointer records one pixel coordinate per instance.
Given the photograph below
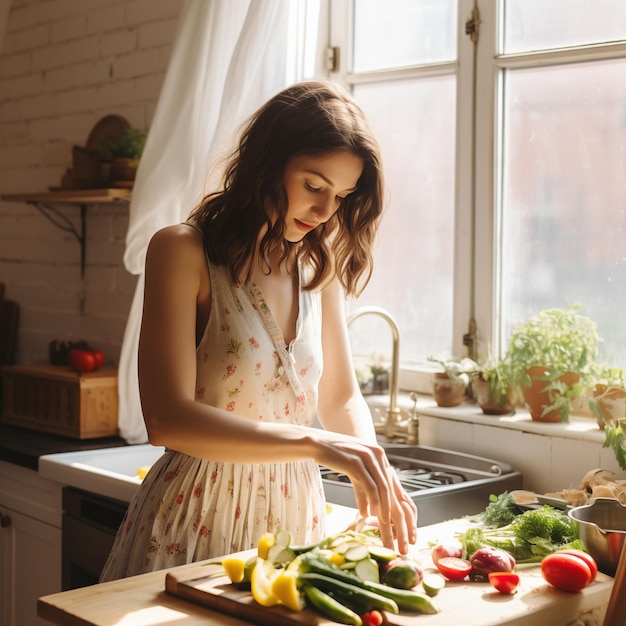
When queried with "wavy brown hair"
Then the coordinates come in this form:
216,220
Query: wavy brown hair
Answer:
310,118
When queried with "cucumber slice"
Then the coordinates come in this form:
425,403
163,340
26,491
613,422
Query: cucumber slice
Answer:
282,538
367,569
279,555
433,584
382,554
357,553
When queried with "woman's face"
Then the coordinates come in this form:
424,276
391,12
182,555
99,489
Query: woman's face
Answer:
316,186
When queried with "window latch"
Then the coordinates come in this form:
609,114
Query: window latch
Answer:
332,58
472,26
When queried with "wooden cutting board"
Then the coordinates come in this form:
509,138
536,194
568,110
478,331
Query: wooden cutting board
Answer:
459,603
208,586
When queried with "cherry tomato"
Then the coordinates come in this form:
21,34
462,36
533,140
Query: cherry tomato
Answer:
452,547
372,618
586,557
504,582
566,572
454,568
98,356
81,360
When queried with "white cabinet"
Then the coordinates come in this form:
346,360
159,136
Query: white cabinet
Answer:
30,543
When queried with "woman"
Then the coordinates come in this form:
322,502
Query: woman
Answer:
244,341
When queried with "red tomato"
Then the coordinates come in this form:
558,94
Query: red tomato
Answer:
372,618
98,357
81,360
452,547
504,582
586,557
454,568
566,571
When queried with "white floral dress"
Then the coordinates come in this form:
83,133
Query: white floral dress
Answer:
189,509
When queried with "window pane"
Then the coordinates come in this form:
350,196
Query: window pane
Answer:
400,33
564,193
548,24
415,124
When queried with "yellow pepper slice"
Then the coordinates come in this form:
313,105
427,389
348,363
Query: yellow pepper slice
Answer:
266,541
234,567
284,587
261,581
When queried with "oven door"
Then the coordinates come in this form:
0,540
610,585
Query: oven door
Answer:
90,523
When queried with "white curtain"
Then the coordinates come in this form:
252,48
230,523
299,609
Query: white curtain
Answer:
229,57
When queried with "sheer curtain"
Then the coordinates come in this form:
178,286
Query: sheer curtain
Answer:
228,59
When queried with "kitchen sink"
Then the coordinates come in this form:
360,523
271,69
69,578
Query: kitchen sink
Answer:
109,472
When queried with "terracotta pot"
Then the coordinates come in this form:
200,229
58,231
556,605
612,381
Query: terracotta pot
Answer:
447,391
124,169
537,399
611,401
497,405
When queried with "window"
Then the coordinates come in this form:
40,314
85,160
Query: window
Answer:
505,165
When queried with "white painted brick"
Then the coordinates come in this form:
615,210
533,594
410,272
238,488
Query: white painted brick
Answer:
155,34
106,19
66,54
68,29
50,99
138,63
15,64
142,11
112,95
72,128
33,38
20,156
36,106
27,85
13,133
118,43
147,88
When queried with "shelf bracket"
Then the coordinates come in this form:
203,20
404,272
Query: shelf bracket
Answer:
58,219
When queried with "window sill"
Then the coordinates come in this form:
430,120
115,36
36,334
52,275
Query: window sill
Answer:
579,428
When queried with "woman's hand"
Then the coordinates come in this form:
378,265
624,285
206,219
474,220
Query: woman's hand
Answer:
376,486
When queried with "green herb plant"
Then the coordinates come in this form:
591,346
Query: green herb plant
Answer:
530,537
456,368
562,341
129,145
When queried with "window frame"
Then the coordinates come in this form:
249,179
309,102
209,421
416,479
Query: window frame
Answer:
480,74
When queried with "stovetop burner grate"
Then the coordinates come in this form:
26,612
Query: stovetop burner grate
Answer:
443,484
411,478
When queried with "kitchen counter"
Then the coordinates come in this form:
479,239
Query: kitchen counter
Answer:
24,447
143,599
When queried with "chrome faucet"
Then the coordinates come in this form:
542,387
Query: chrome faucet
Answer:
393,412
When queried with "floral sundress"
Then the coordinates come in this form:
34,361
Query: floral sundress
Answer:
189,509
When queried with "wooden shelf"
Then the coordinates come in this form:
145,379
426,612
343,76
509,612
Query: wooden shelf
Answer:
71,196
44,202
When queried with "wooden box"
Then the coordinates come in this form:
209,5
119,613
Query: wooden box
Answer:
56,399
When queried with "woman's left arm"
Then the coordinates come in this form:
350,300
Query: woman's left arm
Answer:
341,406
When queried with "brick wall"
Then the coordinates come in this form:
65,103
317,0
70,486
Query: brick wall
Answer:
65,64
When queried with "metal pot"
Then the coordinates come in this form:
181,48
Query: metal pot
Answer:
602,528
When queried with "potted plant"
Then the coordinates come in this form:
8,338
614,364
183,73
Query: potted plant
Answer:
607,395
549,360
123,154
492,389
451,382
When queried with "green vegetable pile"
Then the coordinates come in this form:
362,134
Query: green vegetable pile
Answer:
529,536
